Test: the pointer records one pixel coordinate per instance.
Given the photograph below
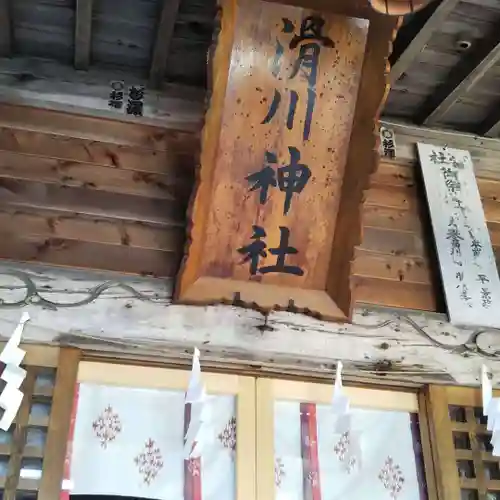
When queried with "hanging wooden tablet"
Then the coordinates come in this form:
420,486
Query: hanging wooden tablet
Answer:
288,147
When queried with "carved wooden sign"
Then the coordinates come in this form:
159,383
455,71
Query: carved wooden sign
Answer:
468,269
276,212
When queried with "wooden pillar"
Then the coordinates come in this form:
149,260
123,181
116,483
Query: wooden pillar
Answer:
287,151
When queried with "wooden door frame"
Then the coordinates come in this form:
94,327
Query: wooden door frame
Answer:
268,390
149,377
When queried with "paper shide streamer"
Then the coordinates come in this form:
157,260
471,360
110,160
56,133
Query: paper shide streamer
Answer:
491,410
340,407
197,433
13,375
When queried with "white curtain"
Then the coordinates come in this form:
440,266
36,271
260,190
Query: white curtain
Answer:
129,442
388,468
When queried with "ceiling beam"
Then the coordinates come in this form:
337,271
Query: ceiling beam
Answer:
491,125
57,86
419,42
430,351
164,34
5,29
83,33
462,78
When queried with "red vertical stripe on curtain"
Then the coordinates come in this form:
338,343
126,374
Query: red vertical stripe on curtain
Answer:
66,489
192,467
309,450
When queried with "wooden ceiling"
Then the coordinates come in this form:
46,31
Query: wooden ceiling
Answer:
446,68
445,74
161,39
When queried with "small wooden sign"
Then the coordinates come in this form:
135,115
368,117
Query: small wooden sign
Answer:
466,259
134,98
387,142
276,213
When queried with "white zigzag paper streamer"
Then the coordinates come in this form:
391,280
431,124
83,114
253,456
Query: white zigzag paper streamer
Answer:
491,410
340,407
197,434
13,375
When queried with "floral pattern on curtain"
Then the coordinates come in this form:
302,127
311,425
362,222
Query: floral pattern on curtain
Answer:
314,462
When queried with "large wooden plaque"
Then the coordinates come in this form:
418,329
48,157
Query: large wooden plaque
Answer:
275,216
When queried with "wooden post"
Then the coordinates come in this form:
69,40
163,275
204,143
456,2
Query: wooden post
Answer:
287,151
59,424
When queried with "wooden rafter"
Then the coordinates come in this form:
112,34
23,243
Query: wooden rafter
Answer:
83,33
491,126
5,29
164,34
419,42
461,79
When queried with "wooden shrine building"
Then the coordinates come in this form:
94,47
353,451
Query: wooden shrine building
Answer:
251,179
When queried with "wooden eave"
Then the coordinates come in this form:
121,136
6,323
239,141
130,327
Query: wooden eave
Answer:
446,68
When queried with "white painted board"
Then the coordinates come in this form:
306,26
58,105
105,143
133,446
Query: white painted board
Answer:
466,259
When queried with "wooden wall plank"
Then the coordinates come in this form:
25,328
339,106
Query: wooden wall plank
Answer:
494,230
491,210
400,197
88,127
397,239
74,227
393,265
394,174
395,294
408,221
127,224
395,218
388,241
60,416
22,195
394,268
90,176
88,255
55,209
177,157
395,202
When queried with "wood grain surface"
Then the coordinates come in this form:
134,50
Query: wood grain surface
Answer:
239,141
